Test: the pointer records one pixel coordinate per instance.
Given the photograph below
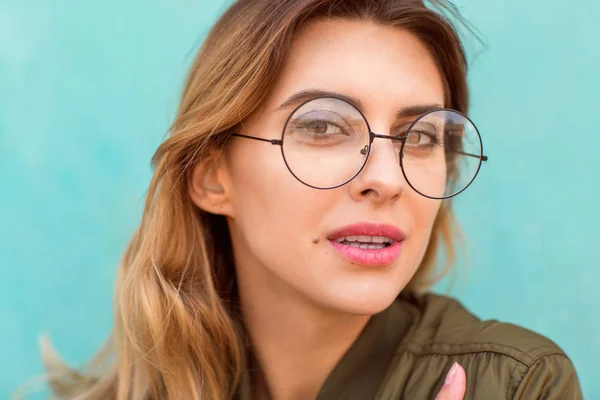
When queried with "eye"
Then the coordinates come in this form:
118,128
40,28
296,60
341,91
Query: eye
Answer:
416,137
322,127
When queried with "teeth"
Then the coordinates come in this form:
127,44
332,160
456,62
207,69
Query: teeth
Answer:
365,239
366,246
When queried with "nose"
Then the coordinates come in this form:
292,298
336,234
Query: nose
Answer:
381,180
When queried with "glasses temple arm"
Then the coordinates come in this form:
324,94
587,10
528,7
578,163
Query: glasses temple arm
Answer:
277,142
483,158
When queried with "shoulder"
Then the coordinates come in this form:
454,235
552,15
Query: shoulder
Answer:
444,324
501,360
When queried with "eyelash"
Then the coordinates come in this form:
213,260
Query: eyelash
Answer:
305,124
435,141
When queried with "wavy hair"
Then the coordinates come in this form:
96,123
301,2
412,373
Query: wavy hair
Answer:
178,333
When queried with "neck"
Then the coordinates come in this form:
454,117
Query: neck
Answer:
296,344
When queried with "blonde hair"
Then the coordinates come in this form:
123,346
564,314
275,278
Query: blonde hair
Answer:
177,329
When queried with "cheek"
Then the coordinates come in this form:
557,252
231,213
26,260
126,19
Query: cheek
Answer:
275,213
427,175
423,212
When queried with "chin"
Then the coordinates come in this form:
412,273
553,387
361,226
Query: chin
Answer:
364,299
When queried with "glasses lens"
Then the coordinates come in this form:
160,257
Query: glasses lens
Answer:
441,154
325,142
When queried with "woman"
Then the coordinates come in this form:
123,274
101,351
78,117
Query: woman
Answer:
294,217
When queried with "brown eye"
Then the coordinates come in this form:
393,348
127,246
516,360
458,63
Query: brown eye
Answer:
318,127
419,138
413,137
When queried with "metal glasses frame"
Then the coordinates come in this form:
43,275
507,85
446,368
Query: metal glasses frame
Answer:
372,136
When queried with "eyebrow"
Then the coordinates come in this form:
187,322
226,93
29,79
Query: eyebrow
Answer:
309,94
417,110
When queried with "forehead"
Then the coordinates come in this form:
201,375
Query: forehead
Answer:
385,67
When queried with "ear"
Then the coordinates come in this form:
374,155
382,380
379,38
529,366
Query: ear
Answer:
209,186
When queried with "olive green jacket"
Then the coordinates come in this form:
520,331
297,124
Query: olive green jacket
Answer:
405,352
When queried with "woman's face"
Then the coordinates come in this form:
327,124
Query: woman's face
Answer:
284,232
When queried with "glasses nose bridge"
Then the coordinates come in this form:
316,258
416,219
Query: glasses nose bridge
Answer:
394,140
373,135
388,138
382,169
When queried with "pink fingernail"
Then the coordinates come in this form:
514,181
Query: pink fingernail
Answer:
451,374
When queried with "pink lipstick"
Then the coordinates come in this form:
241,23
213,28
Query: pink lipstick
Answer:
368,244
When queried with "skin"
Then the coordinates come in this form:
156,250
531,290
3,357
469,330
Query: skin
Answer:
303,304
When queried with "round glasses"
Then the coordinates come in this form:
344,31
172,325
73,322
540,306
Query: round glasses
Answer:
326,142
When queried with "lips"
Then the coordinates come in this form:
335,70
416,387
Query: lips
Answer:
368,244
368,229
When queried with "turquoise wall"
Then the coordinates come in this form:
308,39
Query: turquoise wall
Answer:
87,90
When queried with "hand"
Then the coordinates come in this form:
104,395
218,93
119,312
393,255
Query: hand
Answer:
455,385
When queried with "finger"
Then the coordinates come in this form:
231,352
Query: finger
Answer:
455,384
